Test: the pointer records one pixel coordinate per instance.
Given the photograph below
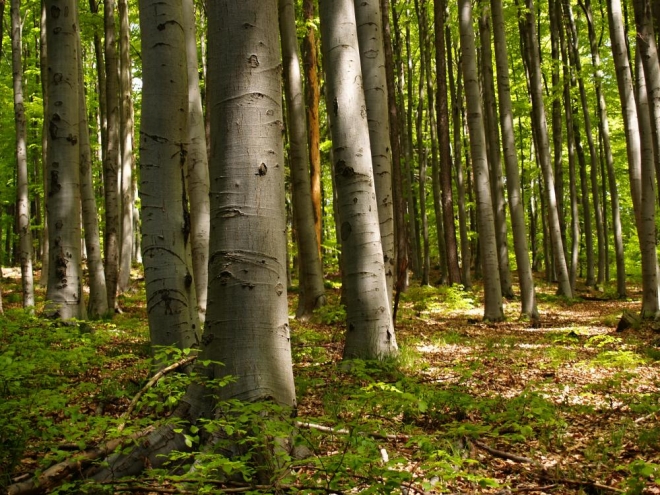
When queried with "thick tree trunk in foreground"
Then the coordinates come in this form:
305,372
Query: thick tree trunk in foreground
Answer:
516,209
311,290
22,199
370,333
197,171
493,310
538,112
64,295
112,158
372,57
171,303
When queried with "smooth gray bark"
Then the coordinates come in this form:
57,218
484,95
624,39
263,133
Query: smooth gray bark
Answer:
197,171
64,295
494,152
370,332
22,199
43,72
126,150
171,303
98,296
493,310
111,163
311,290
372,59
247,325
538,113
516,208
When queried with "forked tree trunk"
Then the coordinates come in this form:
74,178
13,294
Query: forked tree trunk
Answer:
493,310
197,167
171,303
370,333
22,199
126,150
516,208
311,290
372,57
64,295
112,159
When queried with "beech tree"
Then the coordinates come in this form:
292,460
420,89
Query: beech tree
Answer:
370,333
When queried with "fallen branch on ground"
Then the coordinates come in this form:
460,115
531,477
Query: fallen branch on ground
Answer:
502,454
51,476
344,431
131,407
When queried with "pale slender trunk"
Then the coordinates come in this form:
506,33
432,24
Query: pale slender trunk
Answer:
603,124
312,100
64,295
647,230
493,310
372,58
516,207
370,333
126,150
111,163
395,136
493,149
98,296
628,105
22,199
442,111
43,72
171,303
538,112
247,325
311,290
197,171
557,139
598,212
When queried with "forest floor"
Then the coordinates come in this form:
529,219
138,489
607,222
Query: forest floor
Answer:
565,406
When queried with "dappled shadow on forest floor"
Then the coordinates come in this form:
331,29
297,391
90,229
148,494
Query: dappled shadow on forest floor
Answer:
566,405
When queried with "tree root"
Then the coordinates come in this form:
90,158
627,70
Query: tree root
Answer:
52,476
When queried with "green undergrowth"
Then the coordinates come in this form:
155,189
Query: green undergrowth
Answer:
582,404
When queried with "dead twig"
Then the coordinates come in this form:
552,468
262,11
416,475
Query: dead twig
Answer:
51,476
502,454
645,418
131,407
343,431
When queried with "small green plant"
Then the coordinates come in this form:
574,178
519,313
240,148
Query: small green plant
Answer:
330,314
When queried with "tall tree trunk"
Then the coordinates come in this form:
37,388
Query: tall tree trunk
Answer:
370,331
43,72
401,243
648,112
442,111
98,294
628,105
598,212
197,171
538,112
493,310
126,150
112,158
372,58
171,304
247,252
22,199
64,295
516,207
456,91
603,125
493,149
312,100
311,291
